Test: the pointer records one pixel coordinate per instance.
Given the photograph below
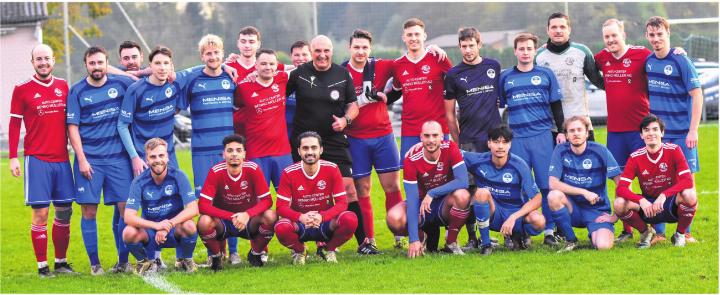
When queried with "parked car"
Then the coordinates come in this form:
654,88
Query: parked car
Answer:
182,129
708,73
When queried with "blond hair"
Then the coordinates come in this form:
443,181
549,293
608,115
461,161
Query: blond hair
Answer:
153,143
210,40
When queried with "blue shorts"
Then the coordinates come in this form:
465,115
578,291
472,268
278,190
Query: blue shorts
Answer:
536,151
585,217
379,152
502,213
170,242
475,148
668,215
406,142
232,231
691,155
47,182
622,144
434,218
321,234
201,165
112,180
272,167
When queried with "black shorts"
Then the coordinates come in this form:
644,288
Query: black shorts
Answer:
335,149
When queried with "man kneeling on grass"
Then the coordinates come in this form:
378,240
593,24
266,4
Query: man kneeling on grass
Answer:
169,206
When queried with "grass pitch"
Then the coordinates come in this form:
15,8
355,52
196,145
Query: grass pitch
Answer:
624,269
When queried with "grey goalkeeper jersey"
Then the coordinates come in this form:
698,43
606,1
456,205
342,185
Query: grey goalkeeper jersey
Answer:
570,67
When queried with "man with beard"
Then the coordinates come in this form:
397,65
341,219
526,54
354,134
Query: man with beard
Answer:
312,201
578,196
101,164
40,102
235,201
168,207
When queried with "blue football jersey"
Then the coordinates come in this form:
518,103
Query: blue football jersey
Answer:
528,96
95,110
511,185
588,170
163,201
670,80
150,110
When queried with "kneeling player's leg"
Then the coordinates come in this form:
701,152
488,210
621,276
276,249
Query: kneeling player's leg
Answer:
287,235
342,228
88,227
561,210
209,229
483,207
38,233
534,223
602,238
397,219
135,238
602,234
263,226
186,233
687,204
627,211
61,230
456,212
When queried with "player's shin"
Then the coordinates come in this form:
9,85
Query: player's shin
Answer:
562,220
211,243
633,219
138,250
123,251
262,239
61,231
38,236
455,221
88,228
367,216
347,222
392,199
287,236
482,216
187,246
354,207
686,214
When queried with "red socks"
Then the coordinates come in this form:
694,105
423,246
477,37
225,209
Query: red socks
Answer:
392,199
285,231
633,219
61,238
685,216
347,223
265,234
367,216
38,235
455,222
211,243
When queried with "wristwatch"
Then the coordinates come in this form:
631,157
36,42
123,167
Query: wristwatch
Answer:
349,121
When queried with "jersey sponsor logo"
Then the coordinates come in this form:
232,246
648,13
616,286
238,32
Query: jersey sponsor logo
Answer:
168,92
507,178
58,92
201,85
244,184
300,188
569,61
668,70
464,79
168,190
37,95
663,167
587,163
275,88
334,95
425,69
645,172
535,80
321,184
440,166
112,92
627,62
405,73
254,94
490,73
88,99
225,84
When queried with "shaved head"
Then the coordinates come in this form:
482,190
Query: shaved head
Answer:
41,48
431,126
320,40
321,50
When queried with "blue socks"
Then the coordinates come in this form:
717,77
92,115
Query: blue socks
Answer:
232,244
564,224
138,250
187,246
482,215
118,227
90,239
546,212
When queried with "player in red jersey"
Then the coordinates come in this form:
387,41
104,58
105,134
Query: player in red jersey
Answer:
235,201
420,76
40,102
668,194
436,182
312,201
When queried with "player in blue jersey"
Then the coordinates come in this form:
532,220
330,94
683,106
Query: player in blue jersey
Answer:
473,84
578,178
168,207
101,162
532,96
149,110
507,198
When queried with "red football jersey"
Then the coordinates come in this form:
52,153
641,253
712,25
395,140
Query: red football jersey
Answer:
373,120
238,120
625,87
41,105
663,172
422,89
227,195
263,108
429,175
301,193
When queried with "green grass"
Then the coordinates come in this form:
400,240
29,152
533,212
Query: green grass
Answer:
624,269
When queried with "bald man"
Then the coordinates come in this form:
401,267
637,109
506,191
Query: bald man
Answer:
40,102
326,104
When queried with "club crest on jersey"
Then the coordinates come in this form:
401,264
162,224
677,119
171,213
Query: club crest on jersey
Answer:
535,80
663,167
168,92
334,95
587,163
507,178
569,61
321,184
668,70
58,92
490,73
244,184
112,93
225,84
440,166
626,62
168,190
275,88
425,69
227,187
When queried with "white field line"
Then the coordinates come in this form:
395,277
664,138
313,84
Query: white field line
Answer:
160,283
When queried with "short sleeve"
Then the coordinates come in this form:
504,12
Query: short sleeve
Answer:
134,200
73,107
350,95
127,110
338,186
456,157
450,87
209,188
555,92
613,169
689,74
409,171
292,82
556,165
630,171
259,184
186,191
17,106
284,191
529,187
